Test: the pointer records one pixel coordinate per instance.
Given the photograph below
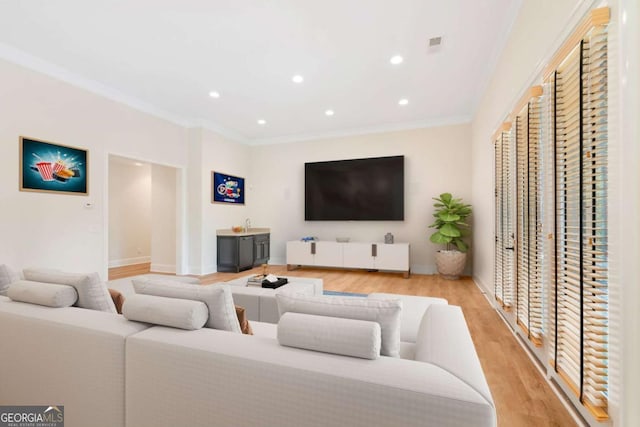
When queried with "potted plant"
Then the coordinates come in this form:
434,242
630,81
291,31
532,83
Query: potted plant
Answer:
451,228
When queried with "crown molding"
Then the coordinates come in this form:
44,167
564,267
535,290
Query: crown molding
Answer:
363,131
227,133
19,57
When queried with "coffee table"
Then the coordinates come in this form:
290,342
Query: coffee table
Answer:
260,303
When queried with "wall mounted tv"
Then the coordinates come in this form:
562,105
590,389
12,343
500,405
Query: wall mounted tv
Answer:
355,190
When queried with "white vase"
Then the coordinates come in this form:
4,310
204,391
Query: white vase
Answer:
451,264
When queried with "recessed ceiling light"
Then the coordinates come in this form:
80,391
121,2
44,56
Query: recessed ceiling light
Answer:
262,122
297,78
329,112
214,94
403,101
395,60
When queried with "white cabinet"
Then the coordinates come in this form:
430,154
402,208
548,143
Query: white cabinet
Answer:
299,253
370,256
328,254
392,257
358,255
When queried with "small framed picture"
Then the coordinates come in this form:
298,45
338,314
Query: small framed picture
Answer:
49,167
227,189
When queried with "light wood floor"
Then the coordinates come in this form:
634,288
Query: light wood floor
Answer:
522,396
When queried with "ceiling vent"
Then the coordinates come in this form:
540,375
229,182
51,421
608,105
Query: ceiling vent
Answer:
435,41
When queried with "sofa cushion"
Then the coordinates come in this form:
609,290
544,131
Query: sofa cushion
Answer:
47,294
348,337
7,276
174,312
413,308
384,312
222,312
92,292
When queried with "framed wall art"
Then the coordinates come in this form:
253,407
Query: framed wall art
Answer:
53,168
227,189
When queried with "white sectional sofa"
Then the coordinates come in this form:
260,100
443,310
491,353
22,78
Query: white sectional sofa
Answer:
108,371
65,356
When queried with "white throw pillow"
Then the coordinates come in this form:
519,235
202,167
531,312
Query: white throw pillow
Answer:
7,277
46,294
92,292
384,312
348,337
177,313
218,298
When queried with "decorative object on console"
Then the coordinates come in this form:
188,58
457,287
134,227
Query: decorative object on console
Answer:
388,238
342,239
451,228
53,168
227,189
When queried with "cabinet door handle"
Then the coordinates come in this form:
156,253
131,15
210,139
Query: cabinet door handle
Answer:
374,250
313,248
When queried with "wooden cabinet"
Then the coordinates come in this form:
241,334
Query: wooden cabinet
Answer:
370,256
261,249
239,253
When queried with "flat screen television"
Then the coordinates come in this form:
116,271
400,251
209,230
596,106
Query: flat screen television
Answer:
355,190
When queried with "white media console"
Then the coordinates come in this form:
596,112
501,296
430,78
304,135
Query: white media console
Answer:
370,256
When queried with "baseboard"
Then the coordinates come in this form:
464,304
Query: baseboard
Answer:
481,285
163,268
277,261
424,269
129,261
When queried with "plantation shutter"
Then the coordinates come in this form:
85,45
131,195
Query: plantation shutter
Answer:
595,239
529,290
504,250
522,241
580,296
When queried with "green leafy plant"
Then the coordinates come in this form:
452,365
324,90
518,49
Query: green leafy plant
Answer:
451,226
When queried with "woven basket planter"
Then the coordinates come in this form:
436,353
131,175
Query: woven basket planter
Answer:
451,264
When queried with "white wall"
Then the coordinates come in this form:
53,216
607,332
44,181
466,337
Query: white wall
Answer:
437,160
231,158
209,152
163,221
129,212
54,230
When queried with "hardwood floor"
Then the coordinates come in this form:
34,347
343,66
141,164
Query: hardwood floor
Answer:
522,396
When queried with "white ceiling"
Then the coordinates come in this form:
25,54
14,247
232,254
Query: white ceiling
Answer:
164,56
